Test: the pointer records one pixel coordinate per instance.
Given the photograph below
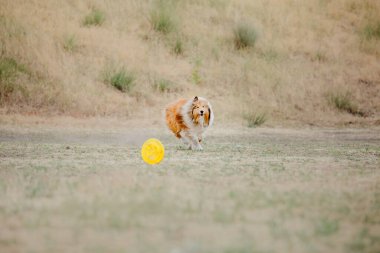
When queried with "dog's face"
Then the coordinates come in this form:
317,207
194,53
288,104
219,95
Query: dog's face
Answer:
200,110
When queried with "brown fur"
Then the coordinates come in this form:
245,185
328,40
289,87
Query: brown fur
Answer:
174,118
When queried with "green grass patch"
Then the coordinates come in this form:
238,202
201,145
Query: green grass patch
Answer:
178,47
10,69
70,43
255,119
245,36
120,78
319,56
326,227
10,28
94,18
371,31
269,55
343,102
162,17
163,85
364,241
196,76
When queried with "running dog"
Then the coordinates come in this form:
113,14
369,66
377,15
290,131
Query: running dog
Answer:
188,119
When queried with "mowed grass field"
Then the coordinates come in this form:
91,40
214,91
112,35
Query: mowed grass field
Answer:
250,190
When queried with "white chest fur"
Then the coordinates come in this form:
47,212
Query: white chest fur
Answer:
200,127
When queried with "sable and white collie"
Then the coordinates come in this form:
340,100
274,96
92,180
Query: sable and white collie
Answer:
188,119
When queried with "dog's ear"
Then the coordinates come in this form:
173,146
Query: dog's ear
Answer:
209,115
195,99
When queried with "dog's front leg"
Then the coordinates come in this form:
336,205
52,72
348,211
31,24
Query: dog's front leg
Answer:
186,140
197,143
194,142
200,138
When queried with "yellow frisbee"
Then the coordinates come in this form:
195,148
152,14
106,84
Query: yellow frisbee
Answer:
152,151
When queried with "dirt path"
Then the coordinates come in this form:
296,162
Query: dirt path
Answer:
135,136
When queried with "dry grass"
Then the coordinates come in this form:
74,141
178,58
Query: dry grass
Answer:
268,190
304,49
255,119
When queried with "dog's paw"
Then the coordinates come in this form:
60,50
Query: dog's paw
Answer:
197,148
183,147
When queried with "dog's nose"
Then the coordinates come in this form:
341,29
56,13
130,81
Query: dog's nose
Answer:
201,112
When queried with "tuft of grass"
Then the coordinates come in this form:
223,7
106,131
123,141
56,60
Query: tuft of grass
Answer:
326,227
343,102
163,85
94,18
196,76
319,57
9,71
178,47
255,119
70,43
121,79
269,55
372,31
11,28
162,17
363,241
245,36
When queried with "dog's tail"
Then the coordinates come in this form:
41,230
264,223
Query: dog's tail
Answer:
173,117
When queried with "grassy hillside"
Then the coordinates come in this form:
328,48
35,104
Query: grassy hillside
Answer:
310,62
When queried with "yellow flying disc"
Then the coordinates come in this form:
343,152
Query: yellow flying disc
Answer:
152,151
